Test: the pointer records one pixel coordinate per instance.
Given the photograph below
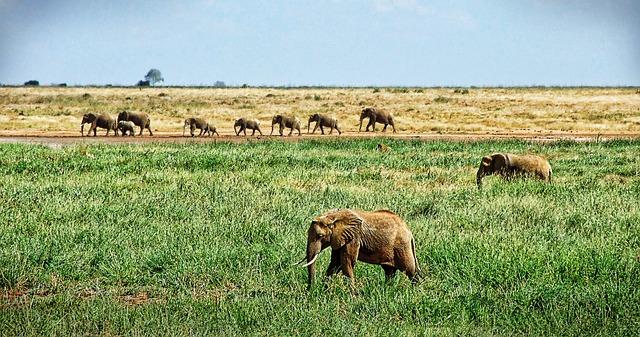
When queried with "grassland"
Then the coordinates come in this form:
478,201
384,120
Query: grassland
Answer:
199,239
417,110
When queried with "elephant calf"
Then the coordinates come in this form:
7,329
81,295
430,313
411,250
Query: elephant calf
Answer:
210,130
323,121
286,122
103,121
126,127
198,123
510,165
244,124
140,119
380,237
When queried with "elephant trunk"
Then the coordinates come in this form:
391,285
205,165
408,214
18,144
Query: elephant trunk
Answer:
308,126
313,250
272,124
479,176
82,129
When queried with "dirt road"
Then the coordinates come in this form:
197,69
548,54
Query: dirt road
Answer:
68,138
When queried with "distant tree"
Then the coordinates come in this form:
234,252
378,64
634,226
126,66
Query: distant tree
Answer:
219,84
154,76
142,83
32,82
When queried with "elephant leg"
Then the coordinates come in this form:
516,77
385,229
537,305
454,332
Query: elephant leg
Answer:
384,129
290,132
200,134
254,132
321,129
193,128
339,132
348,259
394,127
389,272
315,128
245,130
259,131
141,129
331,130
334,265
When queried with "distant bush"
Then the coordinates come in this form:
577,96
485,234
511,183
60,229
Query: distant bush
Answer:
376,90
219,84
142,83
62,85
461,91
31,83
441,99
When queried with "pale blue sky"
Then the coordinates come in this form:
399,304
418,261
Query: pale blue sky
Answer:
305,42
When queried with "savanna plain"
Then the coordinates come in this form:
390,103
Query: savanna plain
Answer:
200,239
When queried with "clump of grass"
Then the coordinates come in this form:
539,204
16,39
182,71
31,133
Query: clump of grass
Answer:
441,99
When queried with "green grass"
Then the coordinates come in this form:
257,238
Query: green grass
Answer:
205,236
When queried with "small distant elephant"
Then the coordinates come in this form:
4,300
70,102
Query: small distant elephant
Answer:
376,116
126,127
286,122
244,124
380,237
511,165
210,130
323,121
196,123
139,119
103,121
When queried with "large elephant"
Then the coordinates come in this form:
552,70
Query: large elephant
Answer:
195,123
323,121
376,116
290,122
380,237
511,165
102,121
140,119
244,124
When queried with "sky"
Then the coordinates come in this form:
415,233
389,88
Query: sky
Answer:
322,42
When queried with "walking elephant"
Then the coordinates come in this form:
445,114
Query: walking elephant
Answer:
380,237
102,121
196,123
376,116
290,122
323,121
139,119
244,124
126,127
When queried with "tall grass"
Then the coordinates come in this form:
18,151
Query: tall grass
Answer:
199,239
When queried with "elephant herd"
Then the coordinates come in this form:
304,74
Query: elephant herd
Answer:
126,121
382,237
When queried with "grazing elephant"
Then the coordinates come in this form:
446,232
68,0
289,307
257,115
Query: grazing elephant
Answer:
380,237
244,124
140,119
126,127
195,123
286,122
210,129
510,165
103,121
376,116
323,121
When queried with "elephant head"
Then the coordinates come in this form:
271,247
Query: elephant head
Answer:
123,116
87,118
495,163
187,122
240,122
277,119
313,118
335,229
366,113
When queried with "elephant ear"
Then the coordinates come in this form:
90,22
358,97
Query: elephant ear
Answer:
346,228
499,162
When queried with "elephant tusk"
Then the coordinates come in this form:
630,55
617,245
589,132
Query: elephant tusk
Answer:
310,262
299,262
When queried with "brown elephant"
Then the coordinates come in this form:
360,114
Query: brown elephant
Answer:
244,124
286,122
126,127
140,119
195,123
210,130
323,121
511,165
376,116
380,237
102,121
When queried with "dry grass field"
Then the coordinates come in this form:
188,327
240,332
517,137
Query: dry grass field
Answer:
57,111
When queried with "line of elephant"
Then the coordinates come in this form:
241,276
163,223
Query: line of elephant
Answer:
381,237
126,121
